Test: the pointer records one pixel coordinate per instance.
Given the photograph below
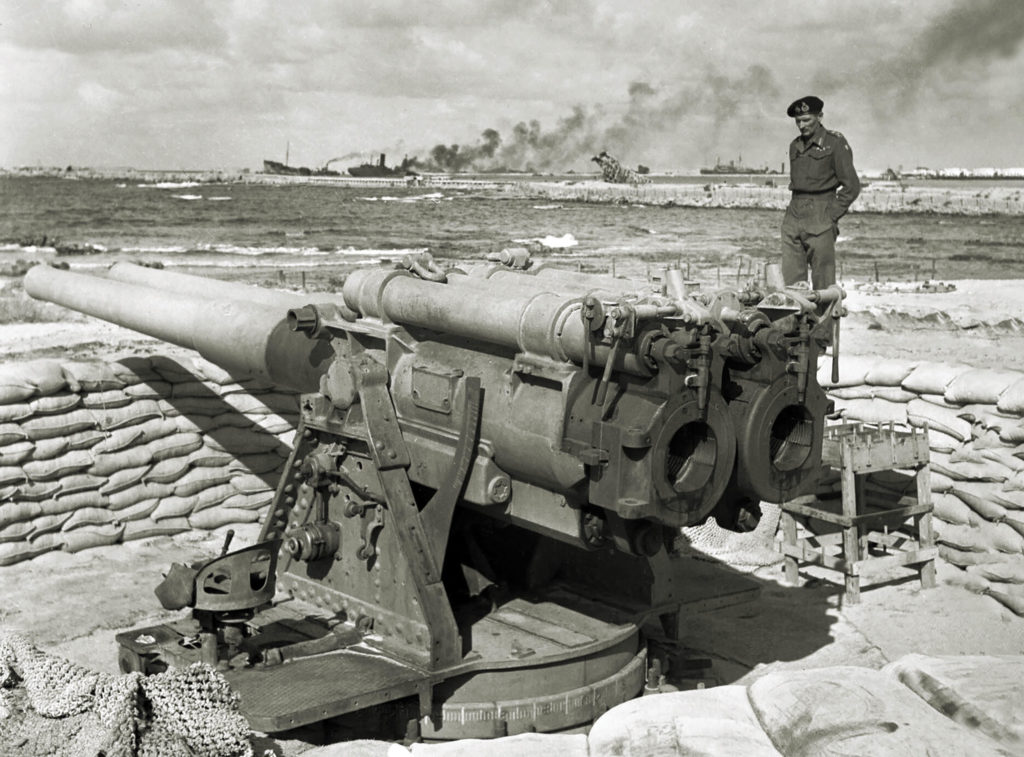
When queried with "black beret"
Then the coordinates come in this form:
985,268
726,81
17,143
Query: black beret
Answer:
809,104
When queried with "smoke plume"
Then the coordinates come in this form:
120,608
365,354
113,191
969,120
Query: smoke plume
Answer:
682,122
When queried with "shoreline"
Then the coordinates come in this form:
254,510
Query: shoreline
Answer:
875,197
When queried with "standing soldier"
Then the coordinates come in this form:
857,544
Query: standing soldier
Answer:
824,184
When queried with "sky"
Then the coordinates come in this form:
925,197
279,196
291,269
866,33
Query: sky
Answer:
521,84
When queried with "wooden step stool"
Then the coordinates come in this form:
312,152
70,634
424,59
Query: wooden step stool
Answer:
865,518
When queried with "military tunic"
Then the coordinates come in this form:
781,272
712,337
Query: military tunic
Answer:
819,167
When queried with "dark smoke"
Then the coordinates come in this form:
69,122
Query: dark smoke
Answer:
654,120
972,34
979,30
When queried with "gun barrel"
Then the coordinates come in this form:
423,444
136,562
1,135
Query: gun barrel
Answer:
248,339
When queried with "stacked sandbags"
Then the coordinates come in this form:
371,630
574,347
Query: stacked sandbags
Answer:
93,453
975,423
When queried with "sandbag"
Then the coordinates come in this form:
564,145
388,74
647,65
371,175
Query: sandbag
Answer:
137,511
18,512
41,376
88,516
146,527
983,385
10,433
717,721
893,393
963,538
965,558
933,378
119,439
49,426
1011,499
965,471
150,390
133,457
178,444
1011,572
255,501
268,462
12,475
49,524
969,581
859,392
135,494
248,483
204,457
238,441
38,491
215,517
940,441
168,471
15,552
174,369
1012,434
85,439
851,710
71,502
75,461
134,369
987,416
81,482
13,412
193,406
139,411
173,506
277,424
194,389
54,404
979,496
16,452
1008,597
939,482
271,403
1004,456
124,479
1011,400
876,411
1005,538
47,449
198,479
852,371
88,537
107,399
890,371
15,393
91,376
157,428
224,494
951,509
921,413
21,531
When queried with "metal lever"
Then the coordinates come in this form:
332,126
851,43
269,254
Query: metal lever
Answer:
227,541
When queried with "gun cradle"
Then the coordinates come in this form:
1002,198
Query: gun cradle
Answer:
480,511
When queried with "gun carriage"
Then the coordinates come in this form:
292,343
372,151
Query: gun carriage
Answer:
481,512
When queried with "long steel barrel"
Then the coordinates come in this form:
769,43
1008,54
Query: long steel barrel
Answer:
246,339
536,322
202,286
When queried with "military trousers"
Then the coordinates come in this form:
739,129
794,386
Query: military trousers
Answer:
809,232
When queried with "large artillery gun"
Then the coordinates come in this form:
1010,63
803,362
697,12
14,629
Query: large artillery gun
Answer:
478,525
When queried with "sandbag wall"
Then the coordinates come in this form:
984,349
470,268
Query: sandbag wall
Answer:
95,453
975,423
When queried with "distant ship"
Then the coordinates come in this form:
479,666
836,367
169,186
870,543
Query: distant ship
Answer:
283,169
731,168
380,170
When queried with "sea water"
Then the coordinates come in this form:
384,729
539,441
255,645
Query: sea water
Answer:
283,226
